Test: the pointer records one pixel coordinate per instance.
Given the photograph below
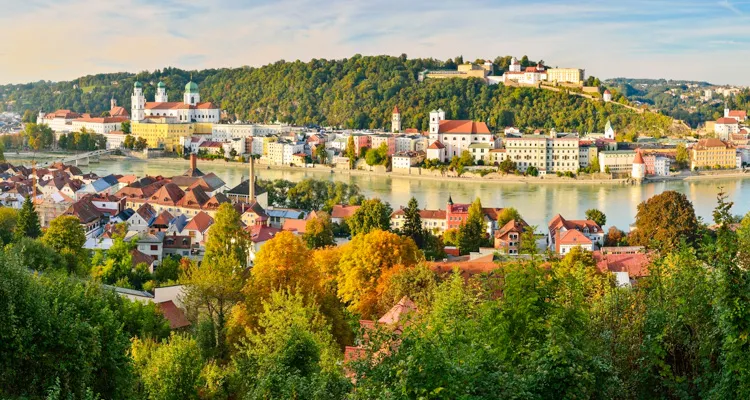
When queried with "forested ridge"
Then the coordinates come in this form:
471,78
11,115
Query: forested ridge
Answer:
356,92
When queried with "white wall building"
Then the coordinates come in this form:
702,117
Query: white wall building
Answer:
617,162
661,166
726,126
280,153
457,135
406,160
191,109
224,132
547,154
115,139
98,125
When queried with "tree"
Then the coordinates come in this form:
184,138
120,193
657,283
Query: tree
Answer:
292,355
8,221
615,237
663,221
413,223
597,216
2,153
169,370
507,166
319,231
284,263
372,215
129,142
227,238
594,165
682,157
528,241
473,230
125,127
29,117
363,262
321,154
28,221
508,214
451,237
65,235
38,136
140,144
532,171
351,151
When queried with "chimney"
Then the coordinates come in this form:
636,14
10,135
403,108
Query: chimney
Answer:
193,161
251,180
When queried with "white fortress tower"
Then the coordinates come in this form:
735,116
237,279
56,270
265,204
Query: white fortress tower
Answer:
639,167
191,95
514,66
161,93
396,120
137,103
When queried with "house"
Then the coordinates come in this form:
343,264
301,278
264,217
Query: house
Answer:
434,221
407,159
148,243
106,185
558,226
177,245
141,220
725,127
197,228
458,135
91,218
278,216
712,153
296,226
567,240
508,238
173,314
341,212
252,214
627,263
436,151
138,257
738,115
51,206
259,235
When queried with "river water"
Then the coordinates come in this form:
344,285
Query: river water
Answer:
536,203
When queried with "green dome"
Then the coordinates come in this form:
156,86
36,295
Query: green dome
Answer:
191,87
160,85
137,84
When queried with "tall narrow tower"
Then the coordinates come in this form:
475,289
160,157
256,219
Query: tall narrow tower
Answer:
161,93
191,96
396,120
251,181
137,103
112,103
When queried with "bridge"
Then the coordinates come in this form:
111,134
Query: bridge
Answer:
81,159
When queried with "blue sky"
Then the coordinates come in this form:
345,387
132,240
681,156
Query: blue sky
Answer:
689,39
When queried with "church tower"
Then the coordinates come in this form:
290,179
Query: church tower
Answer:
396,120
161,93
137,103
191,96
435,118
112,103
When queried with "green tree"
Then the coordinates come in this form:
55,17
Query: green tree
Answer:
2,153
413,223
129,142
351,151
473,230
594,166
663,221
508,214
597,216
140,144
682,158
169,370
528,241
321,154
372,215
125,127
66,237
292,355
319,231
28,221
227,238
29,117
532,171
8,221
507,166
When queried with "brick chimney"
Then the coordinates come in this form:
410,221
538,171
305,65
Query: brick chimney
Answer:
193,161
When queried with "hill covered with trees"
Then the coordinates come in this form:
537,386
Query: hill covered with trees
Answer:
357,92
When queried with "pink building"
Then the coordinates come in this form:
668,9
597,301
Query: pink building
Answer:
361,141
388,140
650,161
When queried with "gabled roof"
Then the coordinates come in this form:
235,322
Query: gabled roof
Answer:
200,222
572,238
173,315
397,313
295,225
636,265
195,197
727,121
343,211
463,127
168,194
243,189
262,233
436,145
512,226
215,201
163,218
558,221
424,214
85,211
139,257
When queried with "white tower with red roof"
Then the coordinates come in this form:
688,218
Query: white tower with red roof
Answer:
396,120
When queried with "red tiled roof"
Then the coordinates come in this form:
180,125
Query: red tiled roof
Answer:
343,211
395,110
572,237
177,105
436,145
163,218
636,265
118,111
398,312
710,142
173,314
138,257
728,121
463,127
200,222
262,233
638,158
168,194
411,130
102,120
425,214
295,225
738,113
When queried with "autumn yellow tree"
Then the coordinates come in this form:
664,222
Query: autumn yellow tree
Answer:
365,262
284,263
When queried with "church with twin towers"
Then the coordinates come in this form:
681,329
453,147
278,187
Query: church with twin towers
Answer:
190,109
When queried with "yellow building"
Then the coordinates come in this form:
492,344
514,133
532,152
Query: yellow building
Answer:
565,75
463,71
710,153
266,141
165,133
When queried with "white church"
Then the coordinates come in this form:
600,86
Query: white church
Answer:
190,109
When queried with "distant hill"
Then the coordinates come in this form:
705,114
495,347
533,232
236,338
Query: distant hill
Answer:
357,92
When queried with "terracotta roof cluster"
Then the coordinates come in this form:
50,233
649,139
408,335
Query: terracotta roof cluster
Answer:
636,265
727,121
295,225
710,143
103,120
66,114
178,105
84,210
200,222
463,127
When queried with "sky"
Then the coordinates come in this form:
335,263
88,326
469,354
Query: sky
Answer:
687,39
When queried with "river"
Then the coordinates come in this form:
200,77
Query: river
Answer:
536,203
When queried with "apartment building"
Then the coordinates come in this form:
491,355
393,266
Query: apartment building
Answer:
711,153
547,154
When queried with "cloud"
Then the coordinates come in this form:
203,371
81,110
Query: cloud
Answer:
640,38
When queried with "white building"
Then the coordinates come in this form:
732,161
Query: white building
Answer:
411,143
607,96
406,160
616,162
224,132
457,135
191,109
396,120
726,126
638,171
97,125
547,154
59,121
280,153
115,139
661,166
